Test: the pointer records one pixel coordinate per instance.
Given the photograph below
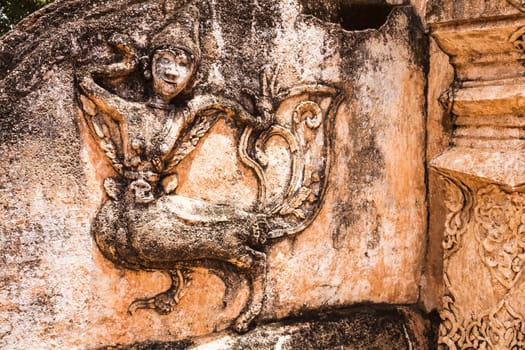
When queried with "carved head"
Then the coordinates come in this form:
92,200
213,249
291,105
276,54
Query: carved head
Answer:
176,54
171,72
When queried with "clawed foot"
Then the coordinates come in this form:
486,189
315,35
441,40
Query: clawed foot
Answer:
164,302
260,231
242,324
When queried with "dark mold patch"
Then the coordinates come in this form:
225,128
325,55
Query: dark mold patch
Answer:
347,215
369,161
418,40
364,330
365,327
375,238
151,345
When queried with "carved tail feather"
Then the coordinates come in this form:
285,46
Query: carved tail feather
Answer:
308,137
297,162
254,165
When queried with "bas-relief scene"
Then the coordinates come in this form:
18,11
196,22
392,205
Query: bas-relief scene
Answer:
198,184
145,224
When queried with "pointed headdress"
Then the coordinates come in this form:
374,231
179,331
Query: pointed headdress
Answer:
182,32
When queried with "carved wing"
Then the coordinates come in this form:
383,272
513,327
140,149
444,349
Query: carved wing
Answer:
202,112
106,129
203,120
291,191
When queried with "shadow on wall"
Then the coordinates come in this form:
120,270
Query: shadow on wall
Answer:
351,14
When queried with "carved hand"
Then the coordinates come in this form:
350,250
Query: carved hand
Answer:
130,61
270,88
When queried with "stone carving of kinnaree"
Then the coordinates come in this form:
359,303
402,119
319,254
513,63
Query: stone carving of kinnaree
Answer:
143,224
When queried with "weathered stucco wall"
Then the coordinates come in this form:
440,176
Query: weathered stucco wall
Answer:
366,245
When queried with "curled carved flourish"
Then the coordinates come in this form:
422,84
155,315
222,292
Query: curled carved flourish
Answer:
306,132
310,112
451,332
459,204
501,328
517,39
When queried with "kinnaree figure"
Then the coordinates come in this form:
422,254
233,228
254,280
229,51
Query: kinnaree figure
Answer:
143,224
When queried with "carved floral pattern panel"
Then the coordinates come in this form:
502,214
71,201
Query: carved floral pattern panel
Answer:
496,218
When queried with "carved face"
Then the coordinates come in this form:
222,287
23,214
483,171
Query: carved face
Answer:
171,71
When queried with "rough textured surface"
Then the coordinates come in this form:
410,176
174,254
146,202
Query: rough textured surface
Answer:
367,243
463,11
357,328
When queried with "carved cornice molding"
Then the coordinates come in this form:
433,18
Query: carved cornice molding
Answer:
484,173
482,50
487,100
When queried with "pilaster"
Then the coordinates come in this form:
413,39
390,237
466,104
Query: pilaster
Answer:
484,174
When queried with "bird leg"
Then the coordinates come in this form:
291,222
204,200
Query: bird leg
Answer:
163,303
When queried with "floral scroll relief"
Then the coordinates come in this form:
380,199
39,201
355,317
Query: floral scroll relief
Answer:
459,204
501,328
451,331
498,223
500,231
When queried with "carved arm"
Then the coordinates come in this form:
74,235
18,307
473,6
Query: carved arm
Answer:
233,110
104,99
128,64
117,108
108,104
